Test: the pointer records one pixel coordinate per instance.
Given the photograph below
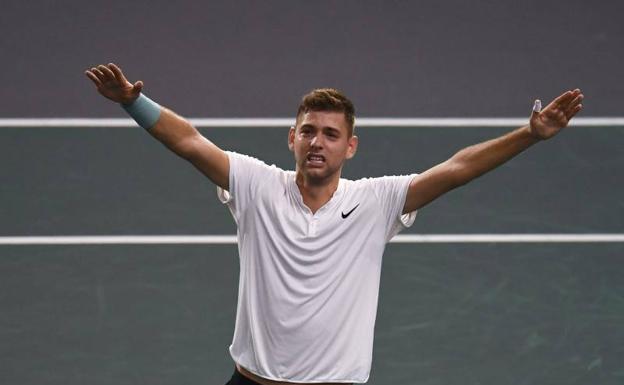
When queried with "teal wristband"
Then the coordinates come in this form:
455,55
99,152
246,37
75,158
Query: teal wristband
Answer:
144,111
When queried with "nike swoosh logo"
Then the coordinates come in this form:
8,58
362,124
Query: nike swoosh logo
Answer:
349,213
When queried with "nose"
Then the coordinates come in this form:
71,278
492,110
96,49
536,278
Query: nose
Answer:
317,141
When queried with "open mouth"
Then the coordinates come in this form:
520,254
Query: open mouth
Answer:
315,159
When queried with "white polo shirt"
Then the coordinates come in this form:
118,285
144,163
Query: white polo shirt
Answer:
308,285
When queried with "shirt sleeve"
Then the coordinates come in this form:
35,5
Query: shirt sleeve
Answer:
391,192
245,176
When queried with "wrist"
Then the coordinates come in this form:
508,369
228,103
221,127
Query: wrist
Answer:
143,110
130,102
530,132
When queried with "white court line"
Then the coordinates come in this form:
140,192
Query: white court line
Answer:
287,122
231,239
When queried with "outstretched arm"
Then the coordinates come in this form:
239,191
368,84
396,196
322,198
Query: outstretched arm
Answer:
175,132
476,160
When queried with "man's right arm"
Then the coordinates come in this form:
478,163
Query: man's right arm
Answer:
175,132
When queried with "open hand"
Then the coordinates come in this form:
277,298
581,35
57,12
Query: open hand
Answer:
548,122
112,83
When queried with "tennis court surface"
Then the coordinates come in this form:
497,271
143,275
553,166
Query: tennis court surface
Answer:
450,312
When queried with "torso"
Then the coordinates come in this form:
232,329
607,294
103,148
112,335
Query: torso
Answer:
299,265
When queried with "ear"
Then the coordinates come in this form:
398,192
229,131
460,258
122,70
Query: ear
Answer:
291,139
353,145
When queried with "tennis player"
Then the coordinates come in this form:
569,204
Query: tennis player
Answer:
311,243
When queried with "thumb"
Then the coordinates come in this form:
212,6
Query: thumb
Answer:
537,107
138,86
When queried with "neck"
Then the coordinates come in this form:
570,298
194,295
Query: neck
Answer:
316,193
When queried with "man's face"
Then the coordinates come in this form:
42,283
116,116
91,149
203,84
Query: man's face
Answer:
321,144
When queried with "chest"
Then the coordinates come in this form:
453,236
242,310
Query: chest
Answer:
351,213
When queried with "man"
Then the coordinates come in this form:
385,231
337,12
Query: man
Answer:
310,243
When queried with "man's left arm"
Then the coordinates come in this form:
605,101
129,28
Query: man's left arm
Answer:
476,160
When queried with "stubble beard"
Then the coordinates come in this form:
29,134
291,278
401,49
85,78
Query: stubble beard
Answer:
321,177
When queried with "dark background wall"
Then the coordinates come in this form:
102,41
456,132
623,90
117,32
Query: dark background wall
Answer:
255,58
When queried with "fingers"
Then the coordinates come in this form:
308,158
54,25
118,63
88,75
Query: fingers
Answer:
93,78
563,100
577,99
565,106
118,74
107,72
575,102
570,114
105,75
574,107
98,74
